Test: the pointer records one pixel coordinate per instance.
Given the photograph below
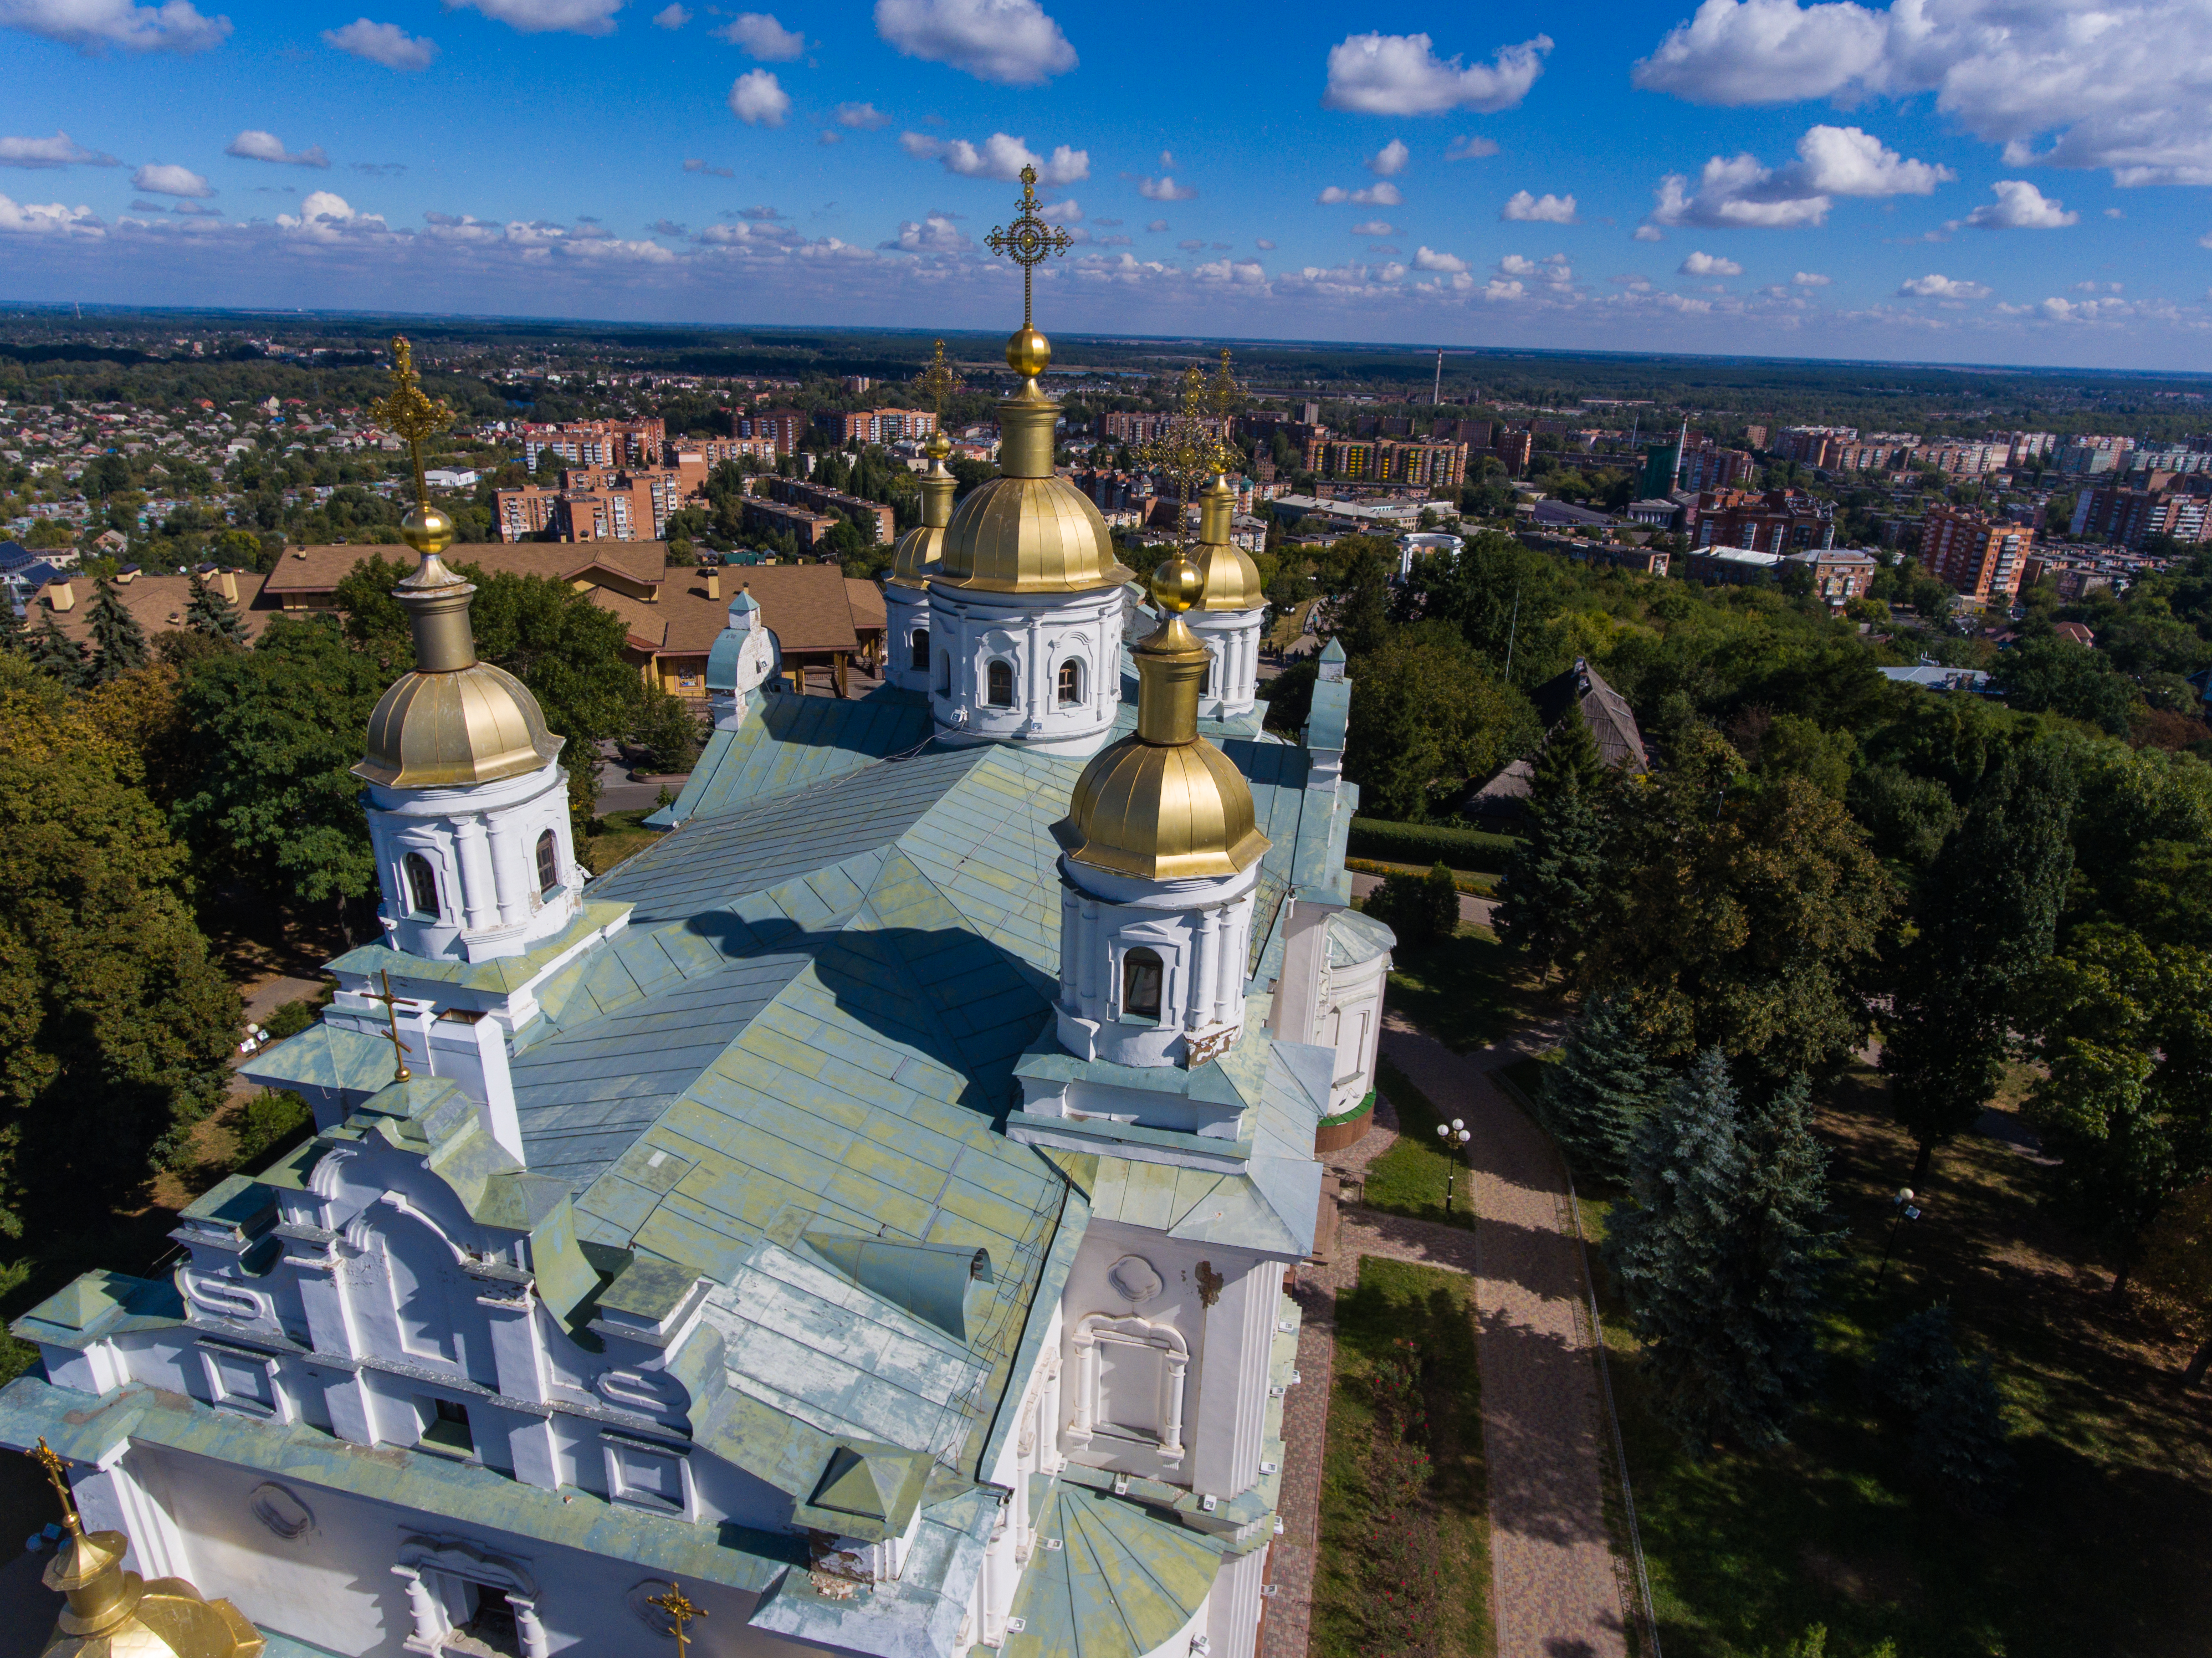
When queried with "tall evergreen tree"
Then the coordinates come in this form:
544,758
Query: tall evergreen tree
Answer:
210,613
54,652
14,636
1600,1089
1553,879
118,642
1721,1255
1988,915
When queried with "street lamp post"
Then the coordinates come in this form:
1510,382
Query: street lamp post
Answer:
1906,1211
1454,1136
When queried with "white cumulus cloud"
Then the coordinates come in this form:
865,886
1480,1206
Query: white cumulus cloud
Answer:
1427,258
1401,75
2117,85
1009,41
383,43
1539,209
866,117
91,25
757,100
670,16
2021,206
1832,160
325,216
762,37
1811,279
1372,227
1389,162
1499,289
1470,149
1936,287
1000,156
1384,194
1710,264
254,145
935,233
47,219
551,16
60,150
1164,190
160,179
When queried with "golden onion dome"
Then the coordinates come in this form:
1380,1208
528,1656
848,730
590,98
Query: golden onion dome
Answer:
1233,579
453,720
914,558
1028,531
1163,803
114,1613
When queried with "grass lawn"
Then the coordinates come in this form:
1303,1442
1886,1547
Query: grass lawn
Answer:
1409,1178
623,835
1394,1300
1462,990
2104,1549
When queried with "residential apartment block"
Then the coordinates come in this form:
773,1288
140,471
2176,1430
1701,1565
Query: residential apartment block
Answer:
1135,426
1974,553
2127,516
1388,460
872,518
1771,521
781,427
876,425
1705,465
598,442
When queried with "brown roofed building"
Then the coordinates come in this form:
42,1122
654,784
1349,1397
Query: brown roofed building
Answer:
1612,724
157,603
808,607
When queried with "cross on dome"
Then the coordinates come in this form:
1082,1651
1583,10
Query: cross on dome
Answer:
1029,241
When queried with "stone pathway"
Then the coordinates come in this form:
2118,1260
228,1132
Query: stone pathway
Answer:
1558,1590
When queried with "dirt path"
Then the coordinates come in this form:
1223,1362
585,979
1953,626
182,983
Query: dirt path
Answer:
1555,1583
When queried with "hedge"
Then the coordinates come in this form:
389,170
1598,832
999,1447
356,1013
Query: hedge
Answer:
1428,843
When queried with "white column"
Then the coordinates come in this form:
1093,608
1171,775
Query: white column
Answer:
1049,1422
1087,1391
1237,945
1070,947
478,899
1171,1434
529,1626
1087,958
422,1606
510,880
1034,673
1198,992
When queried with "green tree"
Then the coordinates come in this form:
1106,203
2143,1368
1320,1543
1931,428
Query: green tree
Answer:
209,613
118,1034
54,654
1500,595
1363,618
1720,1257
1987,917
1748,918
2124,1027
667,732
2066,678
1554,876
1959,1440
118,642
13,634
1426,715
1601,1087
1421,910
274,734
2176,1274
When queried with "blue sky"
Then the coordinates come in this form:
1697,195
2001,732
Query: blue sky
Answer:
1991,180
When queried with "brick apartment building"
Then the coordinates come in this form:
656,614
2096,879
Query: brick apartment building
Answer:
872,518
1974,553
783,428
875,425
2127,516
1410,464
598,442
1769,521
804,525
1134,426
1706,467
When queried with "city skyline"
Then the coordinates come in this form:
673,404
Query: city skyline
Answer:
1753,178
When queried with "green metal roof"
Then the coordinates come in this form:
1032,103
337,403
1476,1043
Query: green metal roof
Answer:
1121,1582
788,743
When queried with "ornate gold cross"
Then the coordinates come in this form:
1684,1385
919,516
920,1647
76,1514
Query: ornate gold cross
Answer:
1029,241
679,1609
45,1459
409,410
937,382
1185,450
392,1026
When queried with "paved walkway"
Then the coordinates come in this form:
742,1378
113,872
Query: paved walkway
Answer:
1558,1587
1471,908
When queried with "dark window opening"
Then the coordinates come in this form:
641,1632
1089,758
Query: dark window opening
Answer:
999,685
549,862
1142,976
919,657
1070,681
423,884
491,1626
944,674
448,1427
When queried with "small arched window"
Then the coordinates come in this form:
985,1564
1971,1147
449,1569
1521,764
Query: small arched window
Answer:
999,685
1142,976
1071,681
549,862
918,658
423,885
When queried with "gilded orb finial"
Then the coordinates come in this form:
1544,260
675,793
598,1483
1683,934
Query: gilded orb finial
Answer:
1029,241
1178,585
413,415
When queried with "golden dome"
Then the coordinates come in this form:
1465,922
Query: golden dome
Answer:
1233,579
1028,531
915,559
1163,803
114,1613
455,720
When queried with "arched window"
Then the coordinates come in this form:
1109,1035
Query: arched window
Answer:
1142,973
944,674
919,657
999,685
549,862
1071,681
423,884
